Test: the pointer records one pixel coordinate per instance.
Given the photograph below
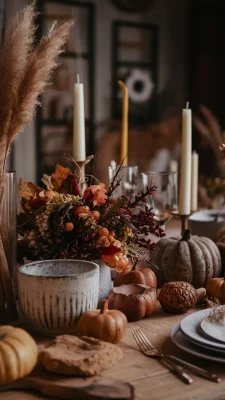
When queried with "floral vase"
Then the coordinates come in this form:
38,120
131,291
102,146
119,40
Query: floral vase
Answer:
7,245
105,282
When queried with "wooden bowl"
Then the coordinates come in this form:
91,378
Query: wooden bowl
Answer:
134,300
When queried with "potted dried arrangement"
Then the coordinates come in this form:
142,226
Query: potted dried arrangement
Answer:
25,70
59,223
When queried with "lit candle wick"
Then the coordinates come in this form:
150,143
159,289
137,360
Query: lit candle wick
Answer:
78,78
187,105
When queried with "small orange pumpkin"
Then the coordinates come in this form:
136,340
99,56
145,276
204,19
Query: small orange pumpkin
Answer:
18,354
143,276
216,288
103,324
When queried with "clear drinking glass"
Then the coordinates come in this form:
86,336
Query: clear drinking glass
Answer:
129,181
164,200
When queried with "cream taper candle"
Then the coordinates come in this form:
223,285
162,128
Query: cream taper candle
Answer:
185,174
173,167
79,149
194,181
124,125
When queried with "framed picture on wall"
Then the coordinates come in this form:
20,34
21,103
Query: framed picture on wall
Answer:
134,61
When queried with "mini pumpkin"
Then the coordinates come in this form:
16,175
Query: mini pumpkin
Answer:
191,259
103,324
177,297
143,276
18,354
216,288
135,301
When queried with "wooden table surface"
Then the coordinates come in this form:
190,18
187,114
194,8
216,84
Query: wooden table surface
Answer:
151,380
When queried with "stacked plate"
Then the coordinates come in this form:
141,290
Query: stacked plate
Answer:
198,335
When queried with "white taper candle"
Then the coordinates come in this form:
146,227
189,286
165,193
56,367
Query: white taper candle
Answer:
194,181
185,174
79,148
173,167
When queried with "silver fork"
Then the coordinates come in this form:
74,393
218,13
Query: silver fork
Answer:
148,350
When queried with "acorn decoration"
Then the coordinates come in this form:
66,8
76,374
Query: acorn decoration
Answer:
177,297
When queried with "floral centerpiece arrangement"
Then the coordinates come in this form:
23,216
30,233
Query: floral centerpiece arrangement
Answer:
62,223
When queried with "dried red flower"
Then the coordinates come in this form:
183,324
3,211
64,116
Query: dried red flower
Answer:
95,194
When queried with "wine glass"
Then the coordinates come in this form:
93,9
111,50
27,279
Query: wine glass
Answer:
129,181
164,200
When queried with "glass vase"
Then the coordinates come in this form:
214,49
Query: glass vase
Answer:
7,245
8,220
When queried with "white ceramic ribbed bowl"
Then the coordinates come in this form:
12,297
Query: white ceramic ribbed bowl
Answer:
53,294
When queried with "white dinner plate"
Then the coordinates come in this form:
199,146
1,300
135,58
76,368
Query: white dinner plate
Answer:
215,330
184,344
190,327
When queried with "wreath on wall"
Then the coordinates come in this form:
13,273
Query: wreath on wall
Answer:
140,86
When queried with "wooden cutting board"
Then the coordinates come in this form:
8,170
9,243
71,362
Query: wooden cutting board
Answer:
56,386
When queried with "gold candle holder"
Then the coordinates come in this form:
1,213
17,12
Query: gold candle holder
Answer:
184,221
80,172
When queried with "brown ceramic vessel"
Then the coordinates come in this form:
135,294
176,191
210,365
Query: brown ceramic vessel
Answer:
134,300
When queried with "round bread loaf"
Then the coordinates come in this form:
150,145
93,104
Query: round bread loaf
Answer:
79,356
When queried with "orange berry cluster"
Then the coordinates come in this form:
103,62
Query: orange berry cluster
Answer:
106,238
81,211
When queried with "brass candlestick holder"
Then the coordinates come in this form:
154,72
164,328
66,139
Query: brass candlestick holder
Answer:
183,219
184,222
80,172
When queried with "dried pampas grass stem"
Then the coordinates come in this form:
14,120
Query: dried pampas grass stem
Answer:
25,71
13,58
37,73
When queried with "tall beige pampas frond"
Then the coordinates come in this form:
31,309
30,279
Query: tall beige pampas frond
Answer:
39,68
13,58
24,73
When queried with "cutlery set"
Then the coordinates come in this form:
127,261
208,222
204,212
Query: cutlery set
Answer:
176,365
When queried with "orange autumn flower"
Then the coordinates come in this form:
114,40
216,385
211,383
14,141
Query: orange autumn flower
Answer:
95,194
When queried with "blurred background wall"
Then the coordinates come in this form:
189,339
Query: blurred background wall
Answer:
172,25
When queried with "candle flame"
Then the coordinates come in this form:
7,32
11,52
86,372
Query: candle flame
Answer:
78,78
187,105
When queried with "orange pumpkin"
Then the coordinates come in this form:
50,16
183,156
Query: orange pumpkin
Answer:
216,288
103,324
18,354
144,277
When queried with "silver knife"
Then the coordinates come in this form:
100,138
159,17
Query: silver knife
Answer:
199,371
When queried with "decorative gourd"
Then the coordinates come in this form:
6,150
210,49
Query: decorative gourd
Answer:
177,297
143,277
103,324
135,301
18,354
216,288
193,259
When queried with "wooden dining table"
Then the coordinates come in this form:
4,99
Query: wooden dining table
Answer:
150,379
